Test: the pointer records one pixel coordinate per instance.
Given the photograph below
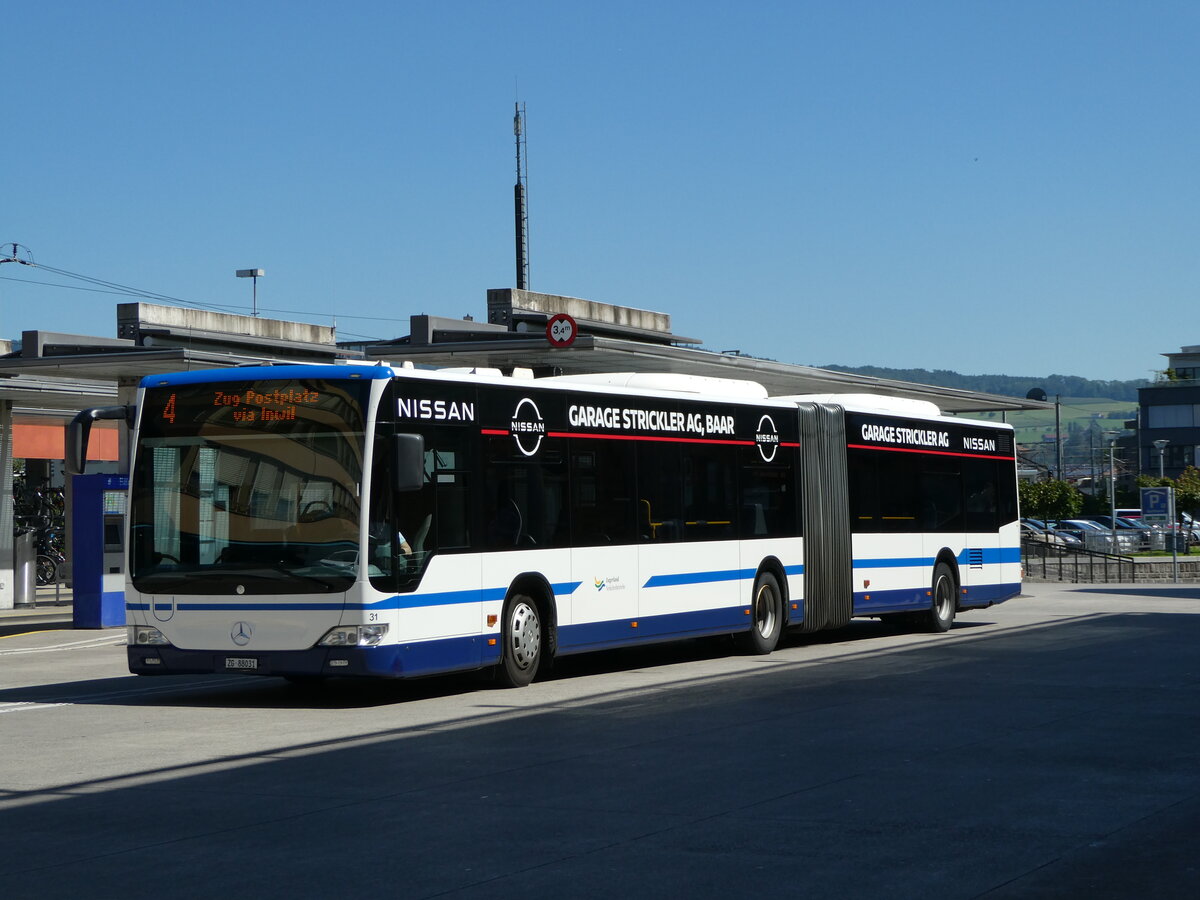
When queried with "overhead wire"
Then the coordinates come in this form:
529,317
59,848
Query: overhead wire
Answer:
102,286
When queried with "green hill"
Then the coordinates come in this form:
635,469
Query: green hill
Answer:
1065,386
1077,415
1087,409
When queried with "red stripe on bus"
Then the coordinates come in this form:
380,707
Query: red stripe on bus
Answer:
629,437
930,452
500,432
639,437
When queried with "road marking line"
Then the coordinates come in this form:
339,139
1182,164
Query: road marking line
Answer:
90,642
28,705
85,699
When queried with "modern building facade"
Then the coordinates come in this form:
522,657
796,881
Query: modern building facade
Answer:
1169,410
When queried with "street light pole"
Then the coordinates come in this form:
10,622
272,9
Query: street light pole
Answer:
253,274
1112,487
1161,446
1057,438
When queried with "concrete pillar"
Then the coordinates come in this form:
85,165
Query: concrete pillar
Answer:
6,505
127,388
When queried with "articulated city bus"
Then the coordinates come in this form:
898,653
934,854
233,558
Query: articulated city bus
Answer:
309,521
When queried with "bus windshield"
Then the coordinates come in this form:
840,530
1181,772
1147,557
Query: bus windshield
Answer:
248,487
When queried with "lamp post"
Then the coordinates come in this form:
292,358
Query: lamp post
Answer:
1112,486
254,274
1161,446
1040,395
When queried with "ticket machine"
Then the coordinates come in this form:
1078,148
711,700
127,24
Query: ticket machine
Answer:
97,538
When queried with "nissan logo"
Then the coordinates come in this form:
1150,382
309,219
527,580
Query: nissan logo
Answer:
767,438
527,426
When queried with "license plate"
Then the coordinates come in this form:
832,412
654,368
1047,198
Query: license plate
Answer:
240,662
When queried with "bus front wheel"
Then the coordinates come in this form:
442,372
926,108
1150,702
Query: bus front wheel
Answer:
766,614
945,590
522,641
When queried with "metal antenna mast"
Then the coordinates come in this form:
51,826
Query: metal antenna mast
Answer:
520,201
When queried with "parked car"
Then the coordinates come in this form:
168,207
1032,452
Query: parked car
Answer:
1096,537
1075,534
1147,536
1036,527
1032,532
1191,528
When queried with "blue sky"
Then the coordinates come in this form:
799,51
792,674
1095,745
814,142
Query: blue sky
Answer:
990,187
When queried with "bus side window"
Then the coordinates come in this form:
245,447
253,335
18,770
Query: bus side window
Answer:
899,493
602,506
525,501
768,502
385,559
660,492
448,479
979,484
941,495
709,493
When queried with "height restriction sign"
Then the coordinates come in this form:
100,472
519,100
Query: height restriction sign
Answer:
561,330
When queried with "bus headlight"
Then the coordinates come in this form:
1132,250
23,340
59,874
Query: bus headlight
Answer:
353,636
143,635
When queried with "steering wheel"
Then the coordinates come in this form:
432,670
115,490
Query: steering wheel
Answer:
317,508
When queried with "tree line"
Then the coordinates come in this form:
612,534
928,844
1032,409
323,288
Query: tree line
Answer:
1006,385
1054,500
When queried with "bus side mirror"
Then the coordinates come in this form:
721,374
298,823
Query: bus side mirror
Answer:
408,462
80,429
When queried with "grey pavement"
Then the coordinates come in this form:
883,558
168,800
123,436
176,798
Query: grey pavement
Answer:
1046,747
53,607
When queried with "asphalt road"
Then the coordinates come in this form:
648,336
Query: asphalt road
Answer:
1044,748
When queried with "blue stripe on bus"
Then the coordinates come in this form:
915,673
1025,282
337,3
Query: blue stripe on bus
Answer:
698,577
400,601
992,555
271,373
236,607
896,563
711,577
987,556
449,598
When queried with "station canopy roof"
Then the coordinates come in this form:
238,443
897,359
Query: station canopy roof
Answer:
621,339
70,372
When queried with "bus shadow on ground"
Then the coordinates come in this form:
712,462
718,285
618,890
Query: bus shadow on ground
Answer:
228,691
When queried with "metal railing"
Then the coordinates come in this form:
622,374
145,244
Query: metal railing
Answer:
1056,562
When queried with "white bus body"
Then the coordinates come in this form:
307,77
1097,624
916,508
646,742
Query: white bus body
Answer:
277,526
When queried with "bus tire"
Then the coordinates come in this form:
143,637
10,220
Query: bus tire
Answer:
766,615
522,634
945,594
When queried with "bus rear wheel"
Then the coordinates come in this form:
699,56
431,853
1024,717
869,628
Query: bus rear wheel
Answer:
522,641
766,613
945,596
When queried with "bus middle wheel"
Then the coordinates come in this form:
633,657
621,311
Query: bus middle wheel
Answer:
522,641
766,615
